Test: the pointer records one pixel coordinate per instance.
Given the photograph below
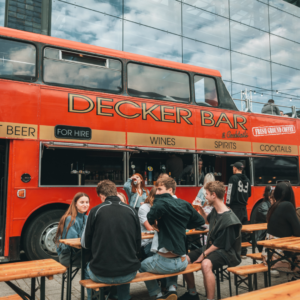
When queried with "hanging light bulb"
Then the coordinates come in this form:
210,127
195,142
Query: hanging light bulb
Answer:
254,92
290,99
262,94
276,91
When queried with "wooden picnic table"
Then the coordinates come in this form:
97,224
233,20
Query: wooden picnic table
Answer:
254,227
291,244
30,269
289,290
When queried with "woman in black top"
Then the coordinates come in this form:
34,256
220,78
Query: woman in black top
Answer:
282,221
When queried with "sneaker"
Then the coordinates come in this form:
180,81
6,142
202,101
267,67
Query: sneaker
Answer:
243,256
188,296
168,296
275,273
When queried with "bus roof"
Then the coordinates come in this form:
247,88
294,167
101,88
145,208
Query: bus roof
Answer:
24,35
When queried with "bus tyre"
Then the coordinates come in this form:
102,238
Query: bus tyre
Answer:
39,236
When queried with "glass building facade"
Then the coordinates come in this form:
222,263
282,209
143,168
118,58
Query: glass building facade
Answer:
255,44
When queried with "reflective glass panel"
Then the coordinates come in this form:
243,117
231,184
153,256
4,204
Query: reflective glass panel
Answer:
111,7
17,60
284,24
250,71
219,7
203,55
144,40
85,25
228,86
285,103
249,40
205,91
285,52
288,7
72,71
157,83
2,12
270,170
205,27
252,13
286,80
164,15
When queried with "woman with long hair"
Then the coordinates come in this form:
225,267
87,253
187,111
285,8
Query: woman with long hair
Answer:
283,222
209,177
70,226
136,190
145,226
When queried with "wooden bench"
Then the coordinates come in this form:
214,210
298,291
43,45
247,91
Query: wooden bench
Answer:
289,290
12,297
255,256
146,276
246,244
247,272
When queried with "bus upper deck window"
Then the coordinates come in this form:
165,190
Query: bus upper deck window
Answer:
157,83
205,91
17,60
82,71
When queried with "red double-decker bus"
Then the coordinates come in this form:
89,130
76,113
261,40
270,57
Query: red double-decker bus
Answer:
74,114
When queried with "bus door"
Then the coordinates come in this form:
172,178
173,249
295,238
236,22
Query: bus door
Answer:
4,147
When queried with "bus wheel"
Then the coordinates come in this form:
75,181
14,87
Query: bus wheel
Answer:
39,236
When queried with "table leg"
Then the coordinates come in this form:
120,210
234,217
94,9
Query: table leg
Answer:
250,282
69,278
42,289
269,261
32,288
218,283
82,271
254,260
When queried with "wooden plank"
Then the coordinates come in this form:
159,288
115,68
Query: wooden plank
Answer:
246,244
254,227
248,269
287,291
90,284
257,256
266,243
12,297
30,269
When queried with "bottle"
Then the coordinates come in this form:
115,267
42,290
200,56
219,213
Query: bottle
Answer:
145,172
150,170
170,174
146,180
133,168
163,169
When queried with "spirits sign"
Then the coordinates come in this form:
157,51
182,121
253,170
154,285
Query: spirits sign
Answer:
72,132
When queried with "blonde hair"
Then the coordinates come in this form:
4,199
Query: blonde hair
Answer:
122,197
209,177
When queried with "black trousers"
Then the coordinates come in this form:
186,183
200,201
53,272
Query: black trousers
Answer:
241,213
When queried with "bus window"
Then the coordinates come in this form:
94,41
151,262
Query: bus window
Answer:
205,91
82,71
273,169
150,165
17,60
57,165
157,83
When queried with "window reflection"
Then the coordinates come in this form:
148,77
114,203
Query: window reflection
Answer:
284,24
250,41
17,60
84,25
219,7
164,15
254,72
228,86
112,7
286,80
157,83
205,91
2,12
143,40
288,7
203,55
204,26
285,52
253,13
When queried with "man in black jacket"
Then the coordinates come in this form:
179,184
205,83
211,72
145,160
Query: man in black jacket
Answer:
113,234
173,217
239,190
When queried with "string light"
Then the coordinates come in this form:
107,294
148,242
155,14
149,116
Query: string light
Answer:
261,94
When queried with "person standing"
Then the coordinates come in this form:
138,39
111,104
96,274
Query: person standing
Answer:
239,190
136,190
270,108
173,217
113,234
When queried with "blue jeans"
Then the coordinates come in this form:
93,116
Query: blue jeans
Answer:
123,290
161,265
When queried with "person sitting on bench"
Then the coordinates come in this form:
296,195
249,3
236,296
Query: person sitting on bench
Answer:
113,233
223,246
173,216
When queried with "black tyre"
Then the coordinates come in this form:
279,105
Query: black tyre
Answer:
38,239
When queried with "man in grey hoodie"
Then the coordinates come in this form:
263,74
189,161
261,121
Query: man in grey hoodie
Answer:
270,108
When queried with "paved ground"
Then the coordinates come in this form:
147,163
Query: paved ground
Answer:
138,290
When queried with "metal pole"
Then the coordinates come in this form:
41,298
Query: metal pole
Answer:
43,288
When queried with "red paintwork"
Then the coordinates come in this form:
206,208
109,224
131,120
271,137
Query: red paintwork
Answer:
47,105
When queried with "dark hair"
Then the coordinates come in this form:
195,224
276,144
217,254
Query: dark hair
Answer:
71,211
168,183
270,101
283,192
106,188
267,193
163,175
